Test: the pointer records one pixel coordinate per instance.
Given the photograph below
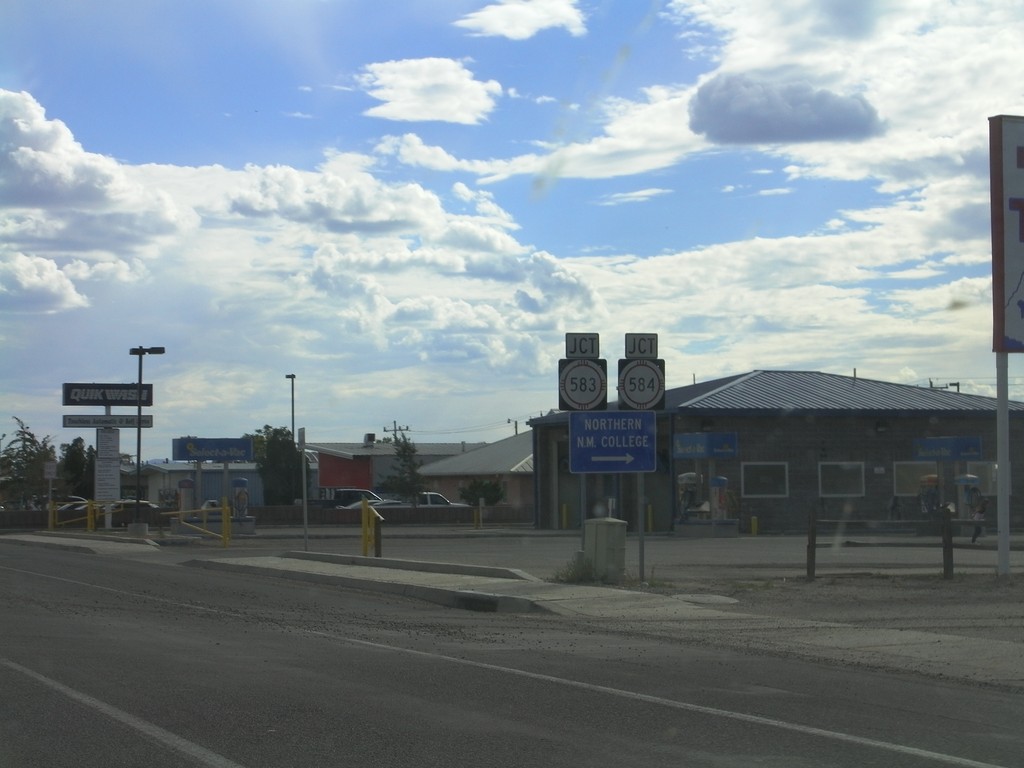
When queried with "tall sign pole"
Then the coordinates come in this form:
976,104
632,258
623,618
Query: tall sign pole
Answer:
1006,162
582,386
641,388
305,501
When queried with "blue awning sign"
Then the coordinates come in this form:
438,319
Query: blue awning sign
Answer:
706,445
947,448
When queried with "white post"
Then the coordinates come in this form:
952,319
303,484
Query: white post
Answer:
1003,463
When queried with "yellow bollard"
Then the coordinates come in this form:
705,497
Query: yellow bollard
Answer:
753,526
367,529
650,518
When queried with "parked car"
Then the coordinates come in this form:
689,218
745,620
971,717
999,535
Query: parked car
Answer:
352,498
128,505
434,499
72,506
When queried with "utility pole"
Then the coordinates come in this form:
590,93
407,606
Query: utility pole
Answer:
395,429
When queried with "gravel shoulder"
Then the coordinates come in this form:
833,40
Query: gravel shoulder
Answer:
971,604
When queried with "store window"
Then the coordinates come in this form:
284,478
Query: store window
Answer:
907,476
765,479
985,471
840,479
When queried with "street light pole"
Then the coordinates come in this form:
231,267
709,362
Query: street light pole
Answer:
140,352
292,377
2,437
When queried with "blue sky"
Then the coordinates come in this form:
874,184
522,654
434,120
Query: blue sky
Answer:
409,204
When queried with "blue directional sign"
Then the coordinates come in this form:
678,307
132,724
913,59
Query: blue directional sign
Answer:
612,442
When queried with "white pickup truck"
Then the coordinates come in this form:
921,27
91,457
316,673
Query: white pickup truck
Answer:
433,499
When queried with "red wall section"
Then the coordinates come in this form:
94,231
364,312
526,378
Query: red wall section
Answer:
336,472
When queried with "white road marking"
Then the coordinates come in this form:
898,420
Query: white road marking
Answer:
155,732
770,722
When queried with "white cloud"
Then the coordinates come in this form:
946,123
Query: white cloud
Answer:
637,196
428,90
340,197
68,216
34,285
637,137
522,19
42,164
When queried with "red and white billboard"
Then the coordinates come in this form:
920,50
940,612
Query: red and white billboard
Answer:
1006,158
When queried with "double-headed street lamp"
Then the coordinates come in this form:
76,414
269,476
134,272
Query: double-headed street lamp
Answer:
141,352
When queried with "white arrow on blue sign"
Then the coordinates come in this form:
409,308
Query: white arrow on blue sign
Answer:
612,442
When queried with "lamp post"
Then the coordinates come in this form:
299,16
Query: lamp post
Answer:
2,437
140,352
301,442
292,377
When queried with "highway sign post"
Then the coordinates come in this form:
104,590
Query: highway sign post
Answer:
611,443
616,442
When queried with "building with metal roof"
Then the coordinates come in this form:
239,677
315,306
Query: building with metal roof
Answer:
369,463
508,462
773,446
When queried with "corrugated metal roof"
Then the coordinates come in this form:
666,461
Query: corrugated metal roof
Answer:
352,450
812,391
513,455
771,392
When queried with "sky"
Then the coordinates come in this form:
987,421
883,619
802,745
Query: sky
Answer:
407,205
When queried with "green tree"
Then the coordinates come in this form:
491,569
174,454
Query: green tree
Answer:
24,461
489,490
406,482
278,462
76,468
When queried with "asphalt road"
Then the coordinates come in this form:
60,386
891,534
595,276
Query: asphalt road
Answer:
111,660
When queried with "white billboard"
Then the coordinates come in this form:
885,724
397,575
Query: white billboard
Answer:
1006,158
108,465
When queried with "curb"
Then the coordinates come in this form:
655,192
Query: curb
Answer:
421,566
451,598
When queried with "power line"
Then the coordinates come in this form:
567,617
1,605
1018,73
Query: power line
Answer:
489,426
